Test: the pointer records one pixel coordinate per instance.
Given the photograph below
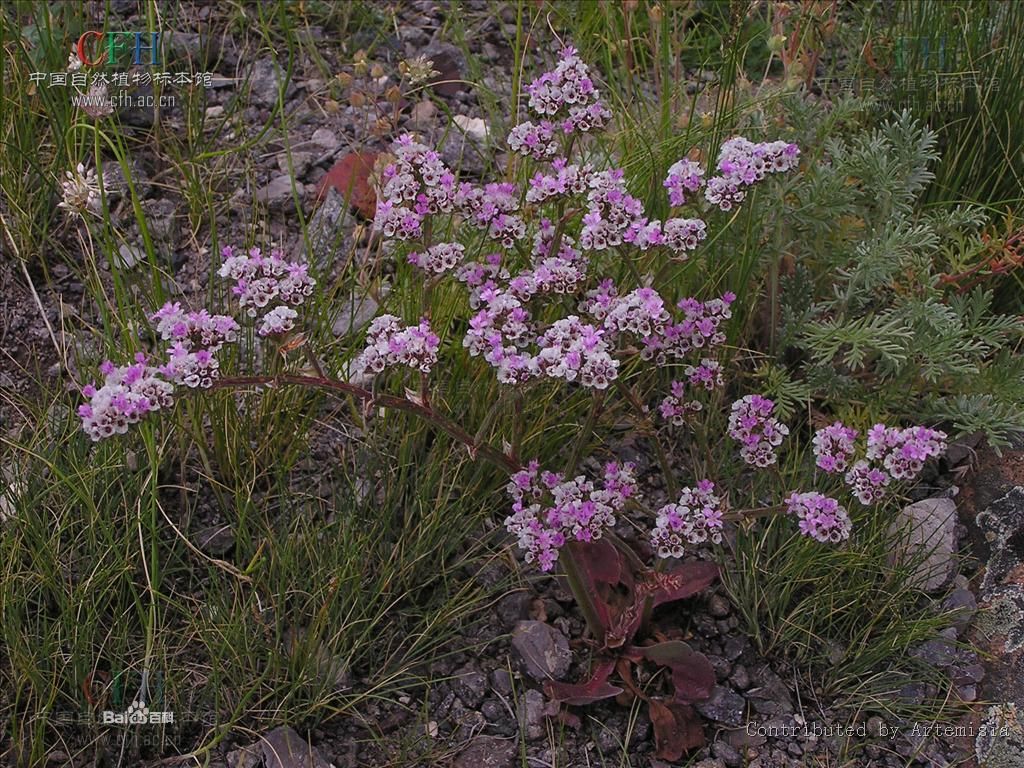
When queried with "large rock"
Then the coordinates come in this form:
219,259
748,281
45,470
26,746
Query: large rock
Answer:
924,533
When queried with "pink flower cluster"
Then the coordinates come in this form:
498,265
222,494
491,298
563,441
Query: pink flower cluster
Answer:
415,185
833,447
683,176
500,332
706,374
901,454
742,163
196,336
277,321
389,343
260,279
867,483
759,434
481,276
566,180
820,517
439,258
695,519
675,408
571,350
569,87
548,510
127,395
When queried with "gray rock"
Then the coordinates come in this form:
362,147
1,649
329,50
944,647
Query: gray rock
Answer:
740,678
964,605
727,753
160,220
542,650
926,535
284,748
734,647
718,606
487,752
1003,524
470,685
724,706
353,314
129,255
721,666
501,682
246,757
265,81
513,608
215,540
493,710
463,154
531,714
278,192
325,138
771,696
330,230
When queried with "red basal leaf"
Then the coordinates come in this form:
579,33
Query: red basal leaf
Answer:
600,568
599,561
685,580
677,729
692,674
594,689
350,177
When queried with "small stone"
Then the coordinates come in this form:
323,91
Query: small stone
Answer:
277,192
727,753
284,748
422,114
531,714
353,314
542,650
513,608
925,532
501,682
487,752
129,255
734,647
721,666
474,127
718,606
215,540
214,110
938,653
493,710
723,706
740,678
264,81
325,138
246,757
963,604
470,685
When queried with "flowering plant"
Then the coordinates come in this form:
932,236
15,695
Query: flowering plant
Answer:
531,261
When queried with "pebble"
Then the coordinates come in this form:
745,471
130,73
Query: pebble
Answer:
718,606
542,650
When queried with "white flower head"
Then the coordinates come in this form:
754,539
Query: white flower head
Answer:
81,192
